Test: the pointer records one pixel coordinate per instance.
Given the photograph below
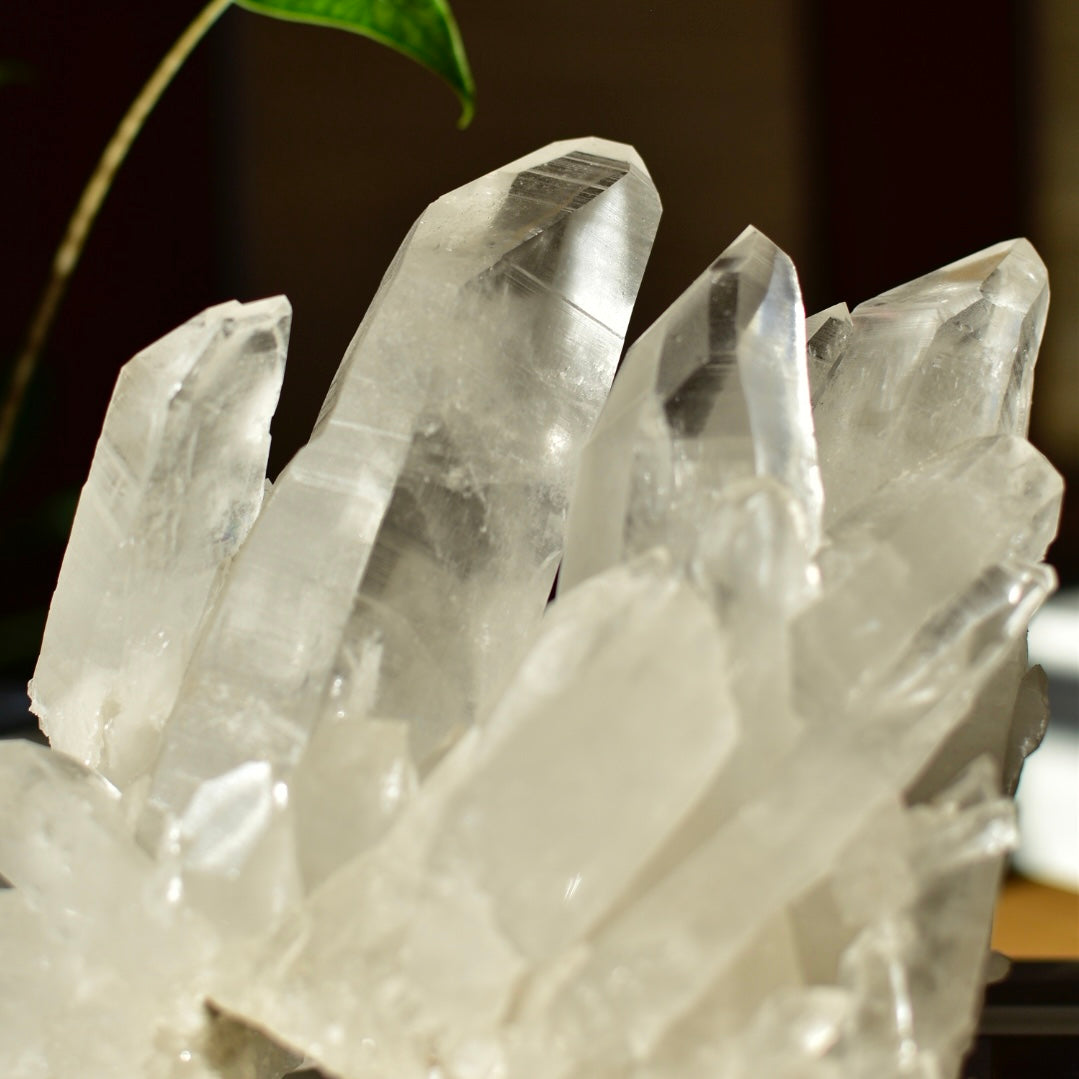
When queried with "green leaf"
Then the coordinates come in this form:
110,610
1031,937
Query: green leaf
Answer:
424,30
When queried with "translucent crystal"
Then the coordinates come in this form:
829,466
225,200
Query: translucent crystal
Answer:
674,980
176,481
876,969
350,785
945,358
714,392
110,968
735,805
706,447
481,880
853,940
916,975
429,505
828,335
1004,724
891,589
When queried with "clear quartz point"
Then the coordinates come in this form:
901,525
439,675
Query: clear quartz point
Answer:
705,447
828,335
945,358
408,549
734,805
715,392
175,484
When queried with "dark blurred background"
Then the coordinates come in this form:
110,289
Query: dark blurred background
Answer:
872,142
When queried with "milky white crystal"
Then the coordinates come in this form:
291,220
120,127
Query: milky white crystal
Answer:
407,550
176,481
902,940
891,583
104,972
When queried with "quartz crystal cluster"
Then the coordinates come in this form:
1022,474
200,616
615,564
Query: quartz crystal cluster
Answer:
332,786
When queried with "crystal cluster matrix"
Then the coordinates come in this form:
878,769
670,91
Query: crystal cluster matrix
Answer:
334,788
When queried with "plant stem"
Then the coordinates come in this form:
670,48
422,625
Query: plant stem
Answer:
82,220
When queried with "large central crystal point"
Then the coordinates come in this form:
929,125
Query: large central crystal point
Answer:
408,550
333,785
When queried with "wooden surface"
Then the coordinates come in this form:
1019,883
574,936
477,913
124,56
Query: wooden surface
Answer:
1035,921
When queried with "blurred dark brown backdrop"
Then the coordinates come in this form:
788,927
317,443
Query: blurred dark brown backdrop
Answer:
872,142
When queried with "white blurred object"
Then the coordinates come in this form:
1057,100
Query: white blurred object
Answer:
1048,794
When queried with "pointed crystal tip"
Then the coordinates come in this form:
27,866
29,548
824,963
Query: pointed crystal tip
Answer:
589,145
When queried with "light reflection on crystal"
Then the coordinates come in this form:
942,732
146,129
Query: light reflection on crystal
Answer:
176,482
735,806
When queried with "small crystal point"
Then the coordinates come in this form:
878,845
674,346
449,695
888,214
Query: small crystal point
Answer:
175,483
828,334
945,358
715,392
430,502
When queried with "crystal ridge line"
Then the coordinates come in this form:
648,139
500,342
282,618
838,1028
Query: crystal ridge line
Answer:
429,504
176,481
714,392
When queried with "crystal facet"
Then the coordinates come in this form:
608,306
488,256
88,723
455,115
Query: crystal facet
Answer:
714,392
734,805
518,878
942,359
109,970
407,550
176,482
